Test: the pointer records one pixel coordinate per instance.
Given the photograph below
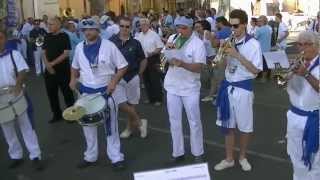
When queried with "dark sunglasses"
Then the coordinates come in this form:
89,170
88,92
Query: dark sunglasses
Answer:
87,22
235,26
123,26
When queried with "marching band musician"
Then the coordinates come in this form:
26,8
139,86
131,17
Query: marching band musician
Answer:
182,83
235,96
129,87
13,70
303,116
99,65
37,33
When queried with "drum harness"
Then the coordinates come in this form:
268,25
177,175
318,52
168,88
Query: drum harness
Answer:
30,111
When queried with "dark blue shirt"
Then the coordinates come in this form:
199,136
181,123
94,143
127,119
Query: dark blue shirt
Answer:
133,53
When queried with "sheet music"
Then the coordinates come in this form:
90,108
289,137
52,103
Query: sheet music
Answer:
173,53
190,172
276,57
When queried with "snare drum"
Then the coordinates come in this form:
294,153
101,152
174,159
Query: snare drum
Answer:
11,107
96,109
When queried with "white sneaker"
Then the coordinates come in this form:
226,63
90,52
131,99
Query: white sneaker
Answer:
143,128
245,165
224,164
126,133
207,99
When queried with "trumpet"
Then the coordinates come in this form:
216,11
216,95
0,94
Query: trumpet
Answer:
221,52
282,75
39,41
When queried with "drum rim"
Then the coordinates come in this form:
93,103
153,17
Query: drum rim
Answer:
11,102
92,115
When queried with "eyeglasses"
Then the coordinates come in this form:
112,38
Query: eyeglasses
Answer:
304,44
123,26
87,22
182,27
235,26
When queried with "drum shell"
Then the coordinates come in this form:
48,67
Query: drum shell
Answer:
12,107
96,109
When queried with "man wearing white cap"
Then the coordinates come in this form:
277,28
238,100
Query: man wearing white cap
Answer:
99,65
182,83
315,25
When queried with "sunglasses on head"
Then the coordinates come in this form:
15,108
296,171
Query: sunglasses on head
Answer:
235,26
87,22
123,26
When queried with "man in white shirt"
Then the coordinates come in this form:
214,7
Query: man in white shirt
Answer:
283,32
27,28
235,96
13,70
99,65
315,25
152,45
182,83
303,116
211,19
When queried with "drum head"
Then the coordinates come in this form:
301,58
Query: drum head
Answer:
93,103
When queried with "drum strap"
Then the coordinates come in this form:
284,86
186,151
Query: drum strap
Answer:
14,64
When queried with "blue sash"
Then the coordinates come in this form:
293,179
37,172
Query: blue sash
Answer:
315,64
88,90
223,103
310,139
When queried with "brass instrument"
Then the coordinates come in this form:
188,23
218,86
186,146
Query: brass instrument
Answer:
164,60
39,41
221,52
282,75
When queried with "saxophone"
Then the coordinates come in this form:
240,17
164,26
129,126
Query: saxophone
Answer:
282,75
221,52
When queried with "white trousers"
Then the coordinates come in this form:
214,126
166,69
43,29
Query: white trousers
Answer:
38,61
29,136
113,141
191,104
295,128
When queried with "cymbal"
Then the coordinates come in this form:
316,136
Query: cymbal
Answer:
74,113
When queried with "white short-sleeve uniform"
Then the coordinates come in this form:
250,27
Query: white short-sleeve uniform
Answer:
283,28
183,90
150,41
241,100
304,97
8,78
109,59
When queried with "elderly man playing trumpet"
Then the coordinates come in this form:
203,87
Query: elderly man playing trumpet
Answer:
303,116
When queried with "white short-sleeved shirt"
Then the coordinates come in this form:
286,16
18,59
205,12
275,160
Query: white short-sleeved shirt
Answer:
212,22
251,50
301,93
109,59
180,81
150,41
7,73
283,28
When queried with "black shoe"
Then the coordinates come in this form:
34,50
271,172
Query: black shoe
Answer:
55,119
85,164
15,163
118,166
178,159
199,159
37,164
